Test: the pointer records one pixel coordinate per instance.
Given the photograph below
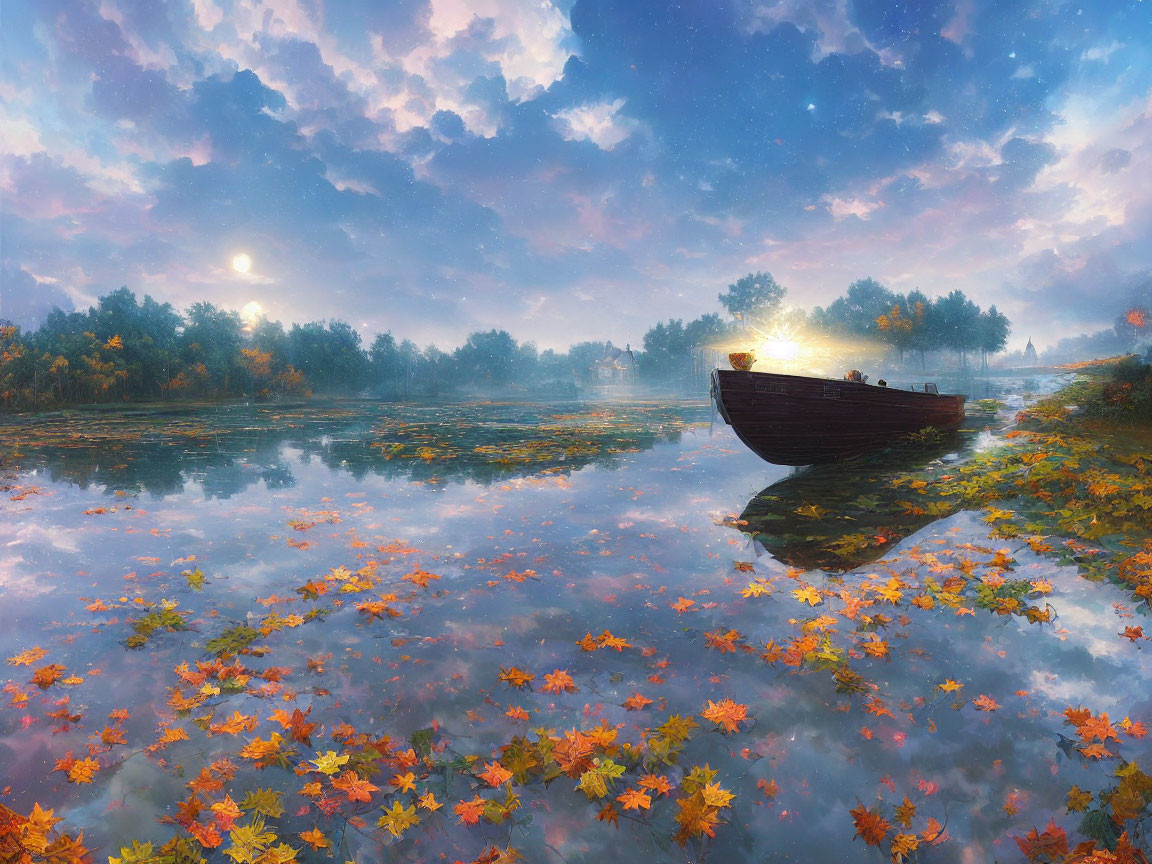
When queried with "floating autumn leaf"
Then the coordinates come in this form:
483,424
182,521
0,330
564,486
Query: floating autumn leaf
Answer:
634,799
1096,751
1078,800
331,762
659,784
355,787
316,839
682,605
398,819
725,713
714,796
757,588
985,703
588,643
428,802
607,640
265,801
518,678
870,825
808,595
470,811
234,725
949,686
83,770
597,780
724,642
559,682
46,676
1052,845
636,702
265,752
905,813
904,845
226,813
404,782
515,712
495,774
609,813
27,657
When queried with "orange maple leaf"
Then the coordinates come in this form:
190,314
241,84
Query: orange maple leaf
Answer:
356,788
315,838
634,799
470,811
1053,843
636,702
495,774
607,640
1096,751
870,825
46,676
588,643
609,813
404,782
559,682
723,642
27,657
517,678
725,713
985,703
682,605
657,783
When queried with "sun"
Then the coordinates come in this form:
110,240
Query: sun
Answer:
251,313
241,263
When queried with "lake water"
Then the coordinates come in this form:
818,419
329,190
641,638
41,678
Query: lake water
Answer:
544,523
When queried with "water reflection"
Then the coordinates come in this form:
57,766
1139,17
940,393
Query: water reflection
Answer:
842,515
268,504
225,449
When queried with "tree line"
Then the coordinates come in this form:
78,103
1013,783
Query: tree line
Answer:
125,349
908,323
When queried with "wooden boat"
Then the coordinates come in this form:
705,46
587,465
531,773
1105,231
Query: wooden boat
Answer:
796,420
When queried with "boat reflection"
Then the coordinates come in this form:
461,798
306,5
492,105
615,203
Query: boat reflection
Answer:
841,516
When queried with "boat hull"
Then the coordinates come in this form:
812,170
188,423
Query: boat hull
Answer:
795,420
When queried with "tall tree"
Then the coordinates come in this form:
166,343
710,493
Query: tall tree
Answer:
858,311
488,358
210,344
753,297
993,329
957,320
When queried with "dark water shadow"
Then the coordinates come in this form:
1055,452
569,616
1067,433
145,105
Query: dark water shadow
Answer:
846,514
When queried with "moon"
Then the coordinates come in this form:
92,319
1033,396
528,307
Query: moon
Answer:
241,263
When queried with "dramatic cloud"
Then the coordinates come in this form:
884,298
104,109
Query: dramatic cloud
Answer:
577,168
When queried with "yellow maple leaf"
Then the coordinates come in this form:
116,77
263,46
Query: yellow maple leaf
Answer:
405,782
808,595
330,762
398,818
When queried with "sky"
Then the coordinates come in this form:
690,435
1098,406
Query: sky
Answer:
573,170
